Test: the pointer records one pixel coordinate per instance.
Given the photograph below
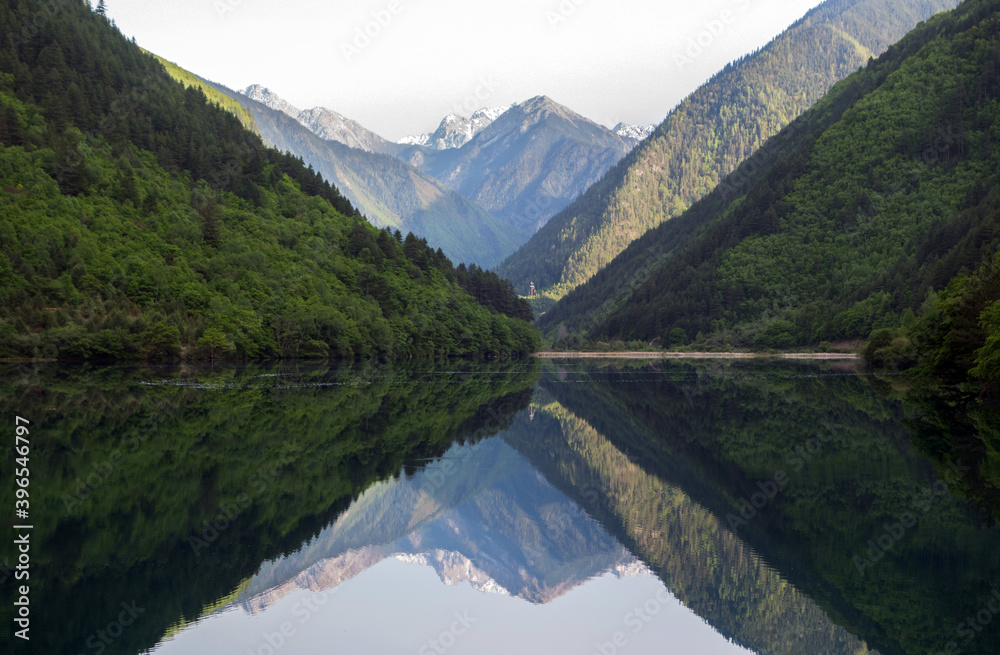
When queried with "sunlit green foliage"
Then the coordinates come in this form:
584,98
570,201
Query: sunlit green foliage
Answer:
139,220
221,99
708,135
958,336
172,487
718,432
842,224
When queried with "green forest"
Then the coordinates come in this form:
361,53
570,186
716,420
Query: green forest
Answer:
693,441
390,192
139,464
845,223
138,220
708,136
958,334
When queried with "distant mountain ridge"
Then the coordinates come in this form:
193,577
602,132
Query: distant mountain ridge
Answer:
387,191
527,164
520,163
708,135
324,123
637,133
830,233
461,529
455,131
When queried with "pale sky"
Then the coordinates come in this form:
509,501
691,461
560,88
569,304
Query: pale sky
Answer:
609,60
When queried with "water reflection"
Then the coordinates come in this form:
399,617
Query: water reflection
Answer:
621,509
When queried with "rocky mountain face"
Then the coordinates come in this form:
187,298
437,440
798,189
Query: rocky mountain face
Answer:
528,163
268,98
455,131
386,190
481,515
633,133
522,163
926,219
708,135
324,123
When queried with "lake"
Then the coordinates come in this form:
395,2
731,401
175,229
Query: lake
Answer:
584,507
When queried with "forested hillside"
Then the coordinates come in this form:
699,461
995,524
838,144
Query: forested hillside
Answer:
140,220
708,135
388,192
957,337
193,449
229,104
528,164
708,435
884,191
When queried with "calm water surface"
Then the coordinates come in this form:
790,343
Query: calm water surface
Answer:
590,509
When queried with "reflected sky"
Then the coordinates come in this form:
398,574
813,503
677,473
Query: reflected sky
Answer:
502,508
397,607
452,564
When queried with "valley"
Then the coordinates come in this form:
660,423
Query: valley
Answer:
428,327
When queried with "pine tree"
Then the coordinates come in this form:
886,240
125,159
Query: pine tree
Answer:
102,9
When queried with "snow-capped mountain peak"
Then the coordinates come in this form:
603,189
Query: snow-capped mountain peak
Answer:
455,131
416,140
268,98
324,123
636,132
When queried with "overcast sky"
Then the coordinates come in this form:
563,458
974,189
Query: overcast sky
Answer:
398,66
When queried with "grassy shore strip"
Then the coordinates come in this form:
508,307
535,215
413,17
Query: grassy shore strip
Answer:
675,355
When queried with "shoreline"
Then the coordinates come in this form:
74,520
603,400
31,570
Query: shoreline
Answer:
694,355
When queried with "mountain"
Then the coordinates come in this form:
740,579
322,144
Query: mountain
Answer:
487,526
529,163
140,220
387,191
324,123
708,567
633,133
708,135
842,224
338,429
957,339
269,98
224,101
455,131
700,440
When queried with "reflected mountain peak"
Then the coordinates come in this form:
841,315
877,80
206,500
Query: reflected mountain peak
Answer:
455,568
620,474
480,514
